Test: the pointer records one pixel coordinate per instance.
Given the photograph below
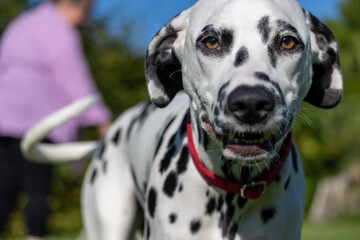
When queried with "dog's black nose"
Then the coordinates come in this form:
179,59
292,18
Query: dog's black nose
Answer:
249,104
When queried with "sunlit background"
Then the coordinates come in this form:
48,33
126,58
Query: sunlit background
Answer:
147,17
115,42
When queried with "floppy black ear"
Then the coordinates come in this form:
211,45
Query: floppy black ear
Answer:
327,84
163,60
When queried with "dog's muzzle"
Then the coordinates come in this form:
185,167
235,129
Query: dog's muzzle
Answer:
250,107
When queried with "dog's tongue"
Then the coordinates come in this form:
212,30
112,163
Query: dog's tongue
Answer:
247,150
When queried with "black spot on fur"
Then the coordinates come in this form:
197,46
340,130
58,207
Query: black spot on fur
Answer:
147,108
147,230
210,206
229,197
195,226
172,139
264,28
232,231
226,225
229,213
262,76
227,38
245,174
172,218
222,94
287,183
102,150
220,203
170,184
183,125
152,201
93,176
267,214
145,186
241,202
180,133
285,26
104,166
223,224
165,162
241,57
131,125
162,136
216,111
181,187
117,136
272,56
278,178
294,158
183,160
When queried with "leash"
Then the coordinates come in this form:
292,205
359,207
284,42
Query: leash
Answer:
251,190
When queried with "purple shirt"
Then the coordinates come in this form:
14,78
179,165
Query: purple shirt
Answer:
43,68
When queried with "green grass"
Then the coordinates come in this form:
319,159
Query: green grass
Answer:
346,228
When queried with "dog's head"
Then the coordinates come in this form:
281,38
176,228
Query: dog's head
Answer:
246,66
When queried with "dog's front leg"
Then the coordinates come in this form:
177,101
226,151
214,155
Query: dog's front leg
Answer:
108,200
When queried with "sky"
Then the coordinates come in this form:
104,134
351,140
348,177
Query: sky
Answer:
146,17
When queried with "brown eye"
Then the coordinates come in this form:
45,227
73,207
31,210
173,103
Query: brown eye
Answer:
288,43
211,43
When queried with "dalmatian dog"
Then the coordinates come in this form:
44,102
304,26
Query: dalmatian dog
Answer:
217,160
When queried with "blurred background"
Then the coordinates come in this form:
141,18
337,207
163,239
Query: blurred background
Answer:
115,42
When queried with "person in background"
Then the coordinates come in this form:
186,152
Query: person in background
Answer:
42,68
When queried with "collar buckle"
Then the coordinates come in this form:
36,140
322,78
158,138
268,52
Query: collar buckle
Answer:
245,187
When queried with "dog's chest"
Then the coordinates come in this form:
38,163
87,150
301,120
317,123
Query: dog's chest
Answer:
179,204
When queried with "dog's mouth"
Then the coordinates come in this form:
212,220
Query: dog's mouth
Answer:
247,146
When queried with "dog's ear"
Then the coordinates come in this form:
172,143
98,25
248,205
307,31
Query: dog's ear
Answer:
163,60
327,84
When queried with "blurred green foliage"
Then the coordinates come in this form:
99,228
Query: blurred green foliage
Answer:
327,139
345,227
118,71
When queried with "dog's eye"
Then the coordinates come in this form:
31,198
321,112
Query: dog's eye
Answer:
288,43
211,43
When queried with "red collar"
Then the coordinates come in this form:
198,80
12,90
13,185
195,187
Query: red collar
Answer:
251,190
